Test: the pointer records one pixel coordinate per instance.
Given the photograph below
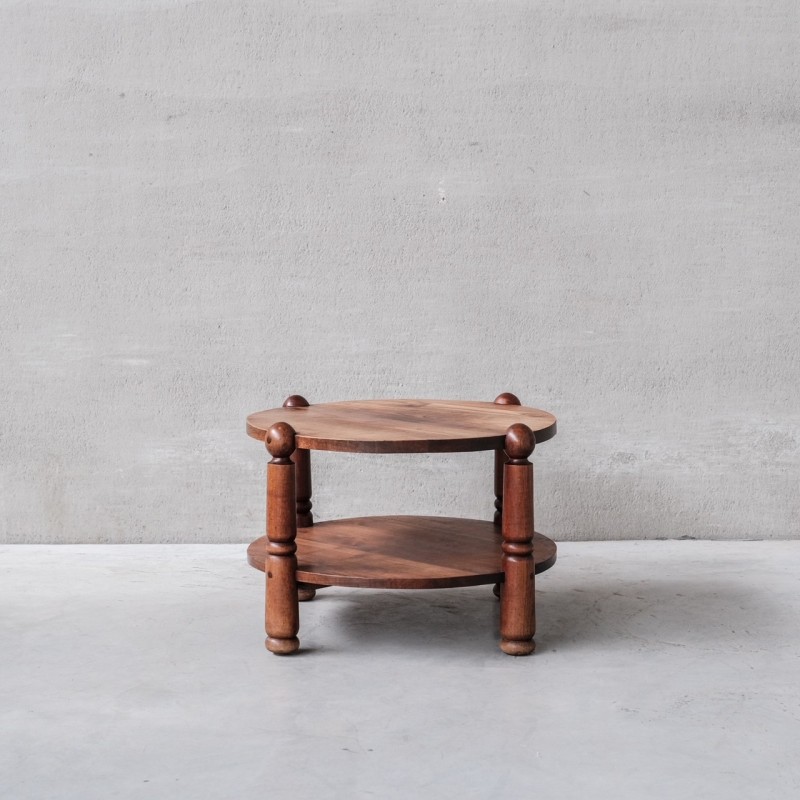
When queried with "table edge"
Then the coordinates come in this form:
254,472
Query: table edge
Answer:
460,445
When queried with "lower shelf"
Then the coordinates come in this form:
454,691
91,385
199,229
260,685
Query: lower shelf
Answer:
402,552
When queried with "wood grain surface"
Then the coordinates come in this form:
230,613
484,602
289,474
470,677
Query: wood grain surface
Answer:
402,552
403,426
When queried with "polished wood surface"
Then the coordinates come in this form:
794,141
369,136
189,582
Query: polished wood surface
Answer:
403,426
402,552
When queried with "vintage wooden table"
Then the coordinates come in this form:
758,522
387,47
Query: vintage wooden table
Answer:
400,552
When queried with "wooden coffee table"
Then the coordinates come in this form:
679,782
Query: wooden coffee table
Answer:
400,552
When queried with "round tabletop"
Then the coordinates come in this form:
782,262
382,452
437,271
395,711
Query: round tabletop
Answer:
403,426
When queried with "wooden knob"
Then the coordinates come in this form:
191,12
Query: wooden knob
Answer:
520,442
507,399
295,401
280,440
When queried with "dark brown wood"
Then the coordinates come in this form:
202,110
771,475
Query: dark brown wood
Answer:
517,617
402,552
305,592
302,462
499,463
282,613
505,399
403,426
295,401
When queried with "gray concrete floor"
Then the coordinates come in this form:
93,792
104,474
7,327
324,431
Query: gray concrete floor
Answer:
663,670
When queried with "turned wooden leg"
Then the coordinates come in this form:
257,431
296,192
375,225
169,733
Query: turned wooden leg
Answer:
282,613
302,462
500,458
305,519
517,619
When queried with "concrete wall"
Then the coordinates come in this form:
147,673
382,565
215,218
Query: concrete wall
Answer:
208,206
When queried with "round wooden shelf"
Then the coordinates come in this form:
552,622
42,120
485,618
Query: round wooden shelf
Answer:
402,552
403,426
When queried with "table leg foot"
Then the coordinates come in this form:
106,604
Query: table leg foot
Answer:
306,593
516,648
282,647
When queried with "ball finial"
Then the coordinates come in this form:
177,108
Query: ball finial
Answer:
507,399
295,401
280,440
520,441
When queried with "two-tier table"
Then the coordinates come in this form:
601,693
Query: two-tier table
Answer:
400,552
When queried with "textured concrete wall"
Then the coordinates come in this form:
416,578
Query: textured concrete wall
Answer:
205,207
